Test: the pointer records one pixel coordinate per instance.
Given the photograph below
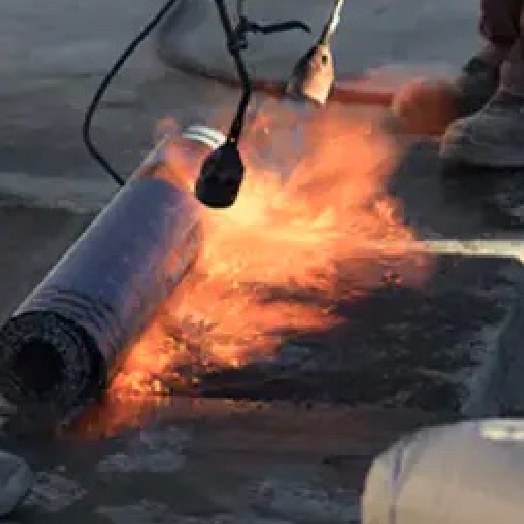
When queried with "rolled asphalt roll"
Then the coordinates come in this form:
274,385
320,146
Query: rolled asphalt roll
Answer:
64,343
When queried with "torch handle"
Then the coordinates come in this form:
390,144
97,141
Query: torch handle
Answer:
332,24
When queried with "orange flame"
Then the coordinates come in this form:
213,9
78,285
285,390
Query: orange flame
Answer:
270,264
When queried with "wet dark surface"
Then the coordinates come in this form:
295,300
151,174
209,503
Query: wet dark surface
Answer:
398,346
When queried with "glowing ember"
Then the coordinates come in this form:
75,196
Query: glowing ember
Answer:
271,265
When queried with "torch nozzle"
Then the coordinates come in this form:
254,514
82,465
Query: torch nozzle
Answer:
314,74
220,177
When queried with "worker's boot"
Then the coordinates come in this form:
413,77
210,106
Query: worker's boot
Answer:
426,106
430,106
492,137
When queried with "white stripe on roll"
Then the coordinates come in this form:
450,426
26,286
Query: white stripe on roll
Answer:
213,138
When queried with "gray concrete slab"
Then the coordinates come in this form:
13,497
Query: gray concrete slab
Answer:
49,77
32,240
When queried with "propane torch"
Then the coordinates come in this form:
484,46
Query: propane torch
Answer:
222,172
313,77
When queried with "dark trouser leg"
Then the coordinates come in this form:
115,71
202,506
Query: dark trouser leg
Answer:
417,103
500,21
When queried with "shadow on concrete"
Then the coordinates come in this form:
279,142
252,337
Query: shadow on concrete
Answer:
458,203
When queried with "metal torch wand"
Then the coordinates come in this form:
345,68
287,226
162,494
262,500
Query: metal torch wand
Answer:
314,74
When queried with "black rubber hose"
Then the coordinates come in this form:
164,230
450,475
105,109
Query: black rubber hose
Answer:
106,82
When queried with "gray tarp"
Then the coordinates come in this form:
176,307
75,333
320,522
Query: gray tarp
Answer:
469,473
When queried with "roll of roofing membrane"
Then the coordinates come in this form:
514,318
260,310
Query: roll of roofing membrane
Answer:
64,343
